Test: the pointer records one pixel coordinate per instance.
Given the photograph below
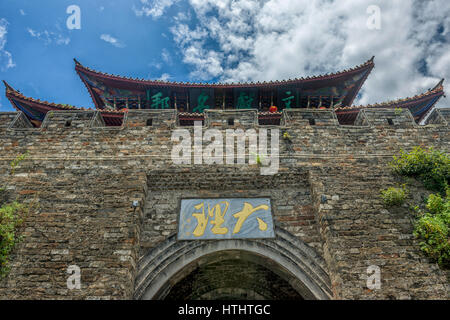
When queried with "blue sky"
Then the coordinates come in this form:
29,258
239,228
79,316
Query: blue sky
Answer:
44,66
226,40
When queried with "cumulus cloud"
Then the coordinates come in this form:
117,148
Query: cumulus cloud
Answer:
164,77
111,40
260,40
49,37
154,8
6,60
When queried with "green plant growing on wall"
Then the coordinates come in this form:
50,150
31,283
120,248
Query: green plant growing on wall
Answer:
258,158
398,111
287,137
432,167
2,195
12,217
436,205
432,227
17,161
394,196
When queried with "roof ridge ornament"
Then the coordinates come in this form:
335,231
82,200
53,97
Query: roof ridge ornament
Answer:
439,85
7,86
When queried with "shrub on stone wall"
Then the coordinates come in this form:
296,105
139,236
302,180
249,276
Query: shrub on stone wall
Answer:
12,217
430,166
432,228
394,196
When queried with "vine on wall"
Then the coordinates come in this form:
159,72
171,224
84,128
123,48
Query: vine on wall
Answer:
432,226
12,217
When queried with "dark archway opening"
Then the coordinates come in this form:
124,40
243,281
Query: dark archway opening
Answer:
163,267
231,275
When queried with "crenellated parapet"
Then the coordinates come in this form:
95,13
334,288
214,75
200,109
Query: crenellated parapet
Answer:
231,118
72,119
321,118
6,118
222,119
21,122
439,116
150,118
385,117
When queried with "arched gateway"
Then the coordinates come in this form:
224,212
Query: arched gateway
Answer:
171,270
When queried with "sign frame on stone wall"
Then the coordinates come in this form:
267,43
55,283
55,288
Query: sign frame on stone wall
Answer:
225,218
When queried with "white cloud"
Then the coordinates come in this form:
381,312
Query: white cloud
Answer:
115,42
281,39
165,55
157,65
22,12
183,16
49,37
6,60
154,8
164,77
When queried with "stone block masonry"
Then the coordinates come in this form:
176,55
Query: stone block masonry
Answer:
6,118
86,176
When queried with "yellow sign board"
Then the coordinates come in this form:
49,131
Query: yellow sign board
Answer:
228,218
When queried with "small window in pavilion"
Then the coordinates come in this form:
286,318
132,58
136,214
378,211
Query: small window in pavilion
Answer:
149,122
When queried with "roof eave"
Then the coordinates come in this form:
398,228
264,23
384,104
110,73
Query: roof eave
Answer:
369,64
362,81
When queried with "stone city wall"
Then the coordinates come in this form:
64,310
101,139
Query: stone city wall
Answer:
85,178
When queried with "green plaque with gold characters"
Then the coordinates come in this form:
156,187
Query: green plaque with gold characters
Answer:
227,218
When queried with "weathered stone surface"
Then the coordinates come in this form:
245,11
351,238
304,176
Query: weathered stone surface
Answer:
439,116
72,119
385,117
158,118
231,118
85,178
6,118
300,117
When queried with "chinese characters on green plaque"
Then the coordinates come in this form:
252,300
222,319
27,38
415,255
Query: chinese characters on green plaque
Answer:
159,99
246,98
287,98
201,100
204,99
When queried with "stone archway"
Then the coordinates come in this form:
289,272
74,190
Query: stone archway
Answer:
296,265
231,275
